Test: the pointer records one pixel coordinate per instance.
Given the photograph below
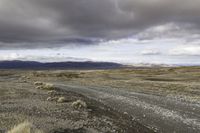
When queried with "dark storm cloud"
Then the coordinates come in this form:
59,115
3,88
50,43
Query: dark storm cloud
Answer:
30,21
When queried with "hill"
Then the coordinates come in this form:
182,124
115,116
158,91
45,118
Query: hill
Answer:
16,64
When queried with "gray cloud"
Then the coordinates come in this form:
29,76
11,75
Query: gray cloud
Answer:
45,21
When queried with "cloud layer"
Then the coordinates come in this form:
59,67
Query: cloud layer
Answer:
125,51
24,23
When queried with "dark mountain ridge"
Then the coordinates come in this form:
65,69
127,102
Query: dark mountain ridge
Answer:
16,64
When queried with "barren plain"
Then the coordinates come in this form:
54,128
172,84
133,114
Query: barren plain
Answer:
128,100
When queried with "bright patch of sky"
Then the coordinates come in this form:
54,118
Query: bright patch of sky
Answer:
126,51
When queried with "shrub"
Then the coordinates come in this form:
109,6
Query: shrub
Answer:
39,87
48,86
61,100
52,98
51,92
25,127
49,99
79,104
44,86
37,83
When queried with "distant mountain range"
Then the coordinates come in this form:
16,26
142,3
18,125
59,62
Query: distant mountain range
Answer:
16,64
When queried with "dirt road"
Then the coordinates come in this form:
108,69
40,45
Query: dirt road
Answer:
163,114
21,100
163,99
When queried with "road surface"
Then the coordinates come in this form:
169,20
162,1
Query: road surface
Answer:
163,114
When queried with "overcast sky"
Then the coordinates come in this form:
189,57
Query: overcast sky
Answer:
125,31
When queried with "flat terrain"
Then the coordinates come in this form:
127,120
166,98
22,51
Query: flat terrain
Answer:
120,100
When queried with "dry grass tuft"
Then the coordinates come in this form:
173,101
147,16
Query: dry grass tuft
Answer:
61,100
25,127
79,104
39,87
44,86
57,99
49,98
48,86
37,83
51,92
52,98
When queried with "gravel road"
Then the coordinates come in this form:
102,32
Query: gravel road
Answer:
167,114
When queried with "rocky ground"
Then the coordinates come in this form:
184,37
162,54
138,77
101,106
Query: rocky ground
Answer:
56,111
120,100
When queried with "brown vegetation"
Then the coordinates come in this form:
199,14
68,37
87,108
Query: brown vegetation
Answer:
25,127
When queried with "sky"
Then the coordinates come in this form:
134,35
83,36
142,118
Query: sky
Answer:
123,31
